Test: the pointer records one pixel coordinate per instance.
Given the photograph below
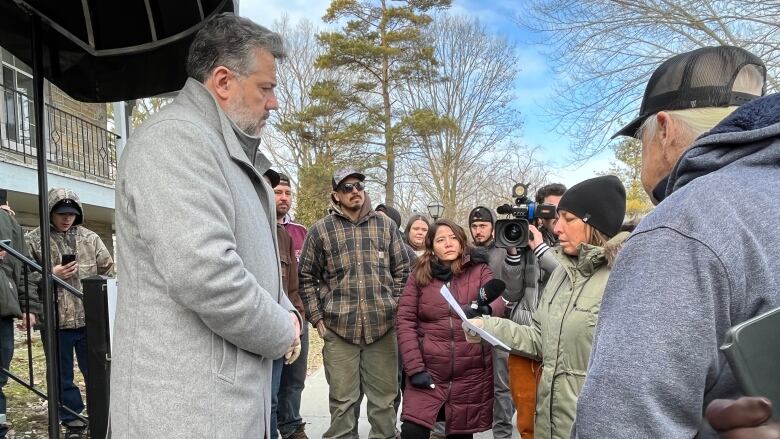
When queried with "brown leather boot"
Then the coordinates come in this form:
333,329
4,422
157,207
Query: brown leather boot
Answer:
299,433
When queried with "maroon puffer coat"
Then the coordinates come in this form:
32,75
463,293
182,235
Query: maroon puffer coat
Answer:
430,337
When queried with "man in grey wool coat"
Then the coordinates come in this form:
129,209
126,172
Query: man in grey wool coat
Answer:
201,314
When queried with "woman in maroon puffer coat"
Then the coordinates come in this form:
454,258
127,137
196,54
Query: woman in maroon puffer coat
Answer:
447,377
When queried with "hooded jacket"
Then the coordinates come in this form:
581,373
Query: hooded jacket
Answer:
705,259
352,273
561,333
92,256
430,339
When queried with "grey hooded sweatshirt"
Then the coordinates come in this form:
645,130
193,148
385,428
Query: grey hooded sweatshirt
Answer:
704,260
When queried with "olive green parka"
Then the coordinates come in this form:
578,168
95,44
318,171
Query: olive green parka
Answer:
561,333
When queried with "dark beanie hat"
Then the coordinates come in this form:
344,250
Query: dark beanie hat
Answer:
391,212
481,213
273,177
600,202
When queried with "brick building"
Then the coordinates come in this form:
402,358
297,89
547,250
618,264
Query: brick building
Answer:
82,151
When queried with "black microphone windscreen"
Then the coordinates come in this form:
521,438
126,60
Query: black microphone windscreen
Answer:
491,291
504,209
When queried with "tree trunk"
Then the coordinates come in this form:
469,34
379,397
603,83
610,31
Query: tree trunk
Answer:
388,123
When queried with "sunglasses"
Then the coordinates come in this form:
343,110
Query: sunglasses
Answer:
348,187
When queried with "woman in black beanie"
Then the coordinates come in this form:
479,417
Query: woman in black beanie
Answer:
561,337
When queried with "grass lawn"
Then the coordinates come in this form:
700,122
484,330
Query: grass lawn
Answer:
27,413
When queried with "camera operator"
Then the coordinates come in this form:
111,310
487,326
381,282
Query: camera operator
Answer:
519,270
549,194
543,233
522,371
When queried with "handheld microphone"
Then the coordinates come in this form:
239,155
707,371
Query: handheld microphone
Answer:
491,291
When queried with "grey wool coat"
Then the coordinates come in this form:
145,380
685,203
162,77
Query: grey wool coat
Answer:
201,314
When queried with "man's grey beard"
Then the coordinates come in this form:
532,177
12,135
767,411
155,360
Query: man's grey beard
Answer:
246,122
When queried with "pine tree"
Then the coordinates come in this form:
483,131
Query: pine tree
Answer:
381,43
629,170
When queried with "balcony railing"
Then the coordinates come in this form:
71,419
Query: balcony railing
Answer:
73,143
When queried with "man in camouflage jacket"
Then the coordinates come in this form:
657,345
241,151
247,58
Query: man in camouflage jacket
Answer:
69,237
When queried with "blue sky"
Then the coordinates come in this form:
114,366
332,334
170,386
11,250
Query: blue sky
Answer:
533,88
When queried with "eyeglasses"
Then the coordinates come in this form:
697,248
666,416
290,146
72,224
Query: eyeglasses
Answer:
348,187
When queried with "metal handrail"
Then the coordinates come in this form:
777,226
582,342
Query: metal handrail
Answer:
29,263
77,144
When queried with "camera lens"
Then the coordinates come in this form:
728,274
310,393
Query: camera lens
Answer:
513,232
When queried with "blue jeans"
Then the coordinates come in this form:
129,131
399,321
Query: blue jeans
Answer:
276,379
290,389
6,353
71,340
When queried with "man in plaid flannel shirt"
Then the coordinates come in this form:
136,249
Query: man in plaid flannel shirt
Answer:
352,268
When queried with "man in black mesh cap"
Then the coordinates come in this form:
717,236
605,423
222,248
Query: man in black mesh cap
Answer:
705,259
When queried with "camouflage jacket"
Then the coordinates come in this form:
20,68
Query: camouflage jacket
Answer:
91,254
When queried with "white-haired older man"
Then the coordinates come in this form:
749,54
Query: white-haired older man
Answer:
702,261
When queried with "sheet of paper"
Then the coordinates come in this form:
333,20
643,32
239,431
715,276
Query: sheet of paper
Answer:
445,292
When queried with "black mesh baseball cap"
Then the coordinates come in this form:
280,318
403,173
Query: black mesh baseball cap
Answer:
699,79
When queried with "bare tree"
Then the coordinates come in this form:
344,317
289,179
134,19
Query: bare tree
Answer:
605,50
314,130
461,119
295,77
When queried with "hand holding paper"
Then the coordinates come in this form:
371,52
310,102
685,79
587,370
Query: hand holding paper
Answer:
467,325
472,336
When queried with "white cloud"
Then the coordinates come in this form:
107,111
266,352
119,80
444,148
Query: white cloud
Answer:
532,62
573,174
267,11
486,16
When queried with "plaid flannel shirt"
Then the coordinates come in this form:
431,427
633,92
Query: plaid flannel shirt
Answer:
352,275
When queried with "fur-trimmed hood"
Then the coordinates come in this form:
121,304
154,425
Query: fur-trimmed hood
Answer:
613,247
592,257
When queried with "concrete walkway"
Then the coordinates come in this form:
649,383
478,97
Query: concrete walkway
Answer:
314,410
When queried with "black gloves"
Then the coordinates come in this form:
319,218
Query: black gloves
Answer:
472,313
422,380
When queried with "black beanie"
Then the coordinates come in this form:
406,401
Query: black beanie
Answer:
481,213
391,213
600,202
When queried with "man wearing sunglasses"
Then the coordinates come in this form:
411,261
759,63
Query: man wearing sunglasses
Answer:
352,269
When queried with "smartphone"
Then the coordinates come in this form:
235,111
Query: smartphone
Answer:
753,352
67,259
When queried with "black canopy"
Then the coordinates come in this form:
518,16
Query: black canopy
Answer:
109,50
